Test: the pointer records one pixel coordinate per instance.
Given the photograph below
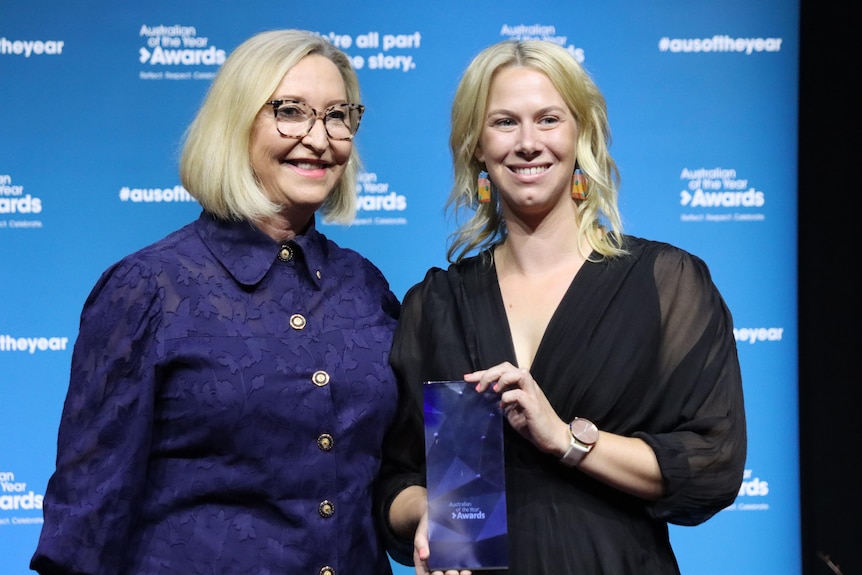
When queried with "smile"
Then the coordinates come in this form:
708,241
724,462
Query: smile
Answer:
307,165
530,171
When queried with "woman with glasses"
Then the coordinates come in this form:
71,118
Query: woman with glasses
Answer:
612,357
230,387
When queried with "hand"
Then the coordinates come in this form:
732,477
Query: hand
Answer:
421,551
526,407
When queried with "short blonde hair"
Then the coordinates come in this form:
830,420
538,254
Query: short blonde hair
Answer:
486,227
215,165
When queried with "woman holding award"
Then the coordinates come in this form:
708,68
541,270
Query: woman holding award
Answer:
613,356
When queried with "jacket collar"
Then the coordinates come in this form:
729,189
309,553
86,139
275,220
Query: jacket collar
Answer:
248,254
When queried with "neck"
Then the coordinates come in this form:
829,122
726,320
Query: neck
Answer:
541,248
284,226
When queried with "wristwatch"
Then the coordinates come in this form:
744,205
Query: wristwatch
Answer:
584,436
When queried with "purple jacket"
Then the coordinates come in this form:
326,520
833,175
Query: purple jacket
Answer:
226,411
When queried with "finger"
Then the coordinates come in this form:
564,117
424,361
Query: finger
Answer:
421,567
420,544
511,398
476,377
513,379
484,378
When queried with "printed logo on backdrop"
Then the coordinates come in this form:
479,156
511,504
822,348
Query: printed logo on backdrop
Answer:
719,43
719,195
752,335
377,204
18,504
548,33
177,53
18,208
28,48
172,195
750,495
169,52
375,51
32,345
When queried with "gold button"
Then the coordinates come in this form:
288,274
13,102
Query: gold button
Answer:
285,254
327,570
320,378
324,442
297,321
326,508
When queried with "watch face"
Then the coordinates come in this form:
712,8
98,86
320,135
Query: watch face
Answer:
585,431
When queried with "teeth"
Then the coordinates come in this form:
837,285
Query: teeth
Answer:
531,170
307,165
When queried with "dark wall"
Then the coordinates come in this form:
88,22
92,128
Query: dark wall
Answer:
829,291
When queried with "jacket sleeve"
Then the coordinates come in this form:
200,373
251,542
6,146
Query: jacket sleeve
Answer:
702,459
105,429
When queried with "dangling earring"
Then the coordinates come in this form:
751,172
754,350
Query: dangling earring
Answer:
579,185
483,185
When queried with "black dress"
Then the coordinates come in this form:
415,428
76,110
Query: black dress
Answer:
641,345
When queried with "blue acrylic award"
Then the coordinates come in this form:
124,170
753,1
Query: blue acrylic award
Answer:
465,477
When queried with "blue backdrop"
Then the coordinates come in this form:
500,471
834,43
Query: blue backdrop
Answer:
702,96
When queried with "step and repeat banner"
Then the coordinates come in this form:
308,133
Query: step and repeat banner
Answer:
702,96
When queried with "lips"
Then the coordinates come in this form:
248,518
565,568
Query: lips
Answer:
530,170
307,164
305,168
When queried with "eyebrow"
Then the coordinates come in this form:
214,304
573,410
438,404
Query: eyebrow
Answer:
334,102
543,111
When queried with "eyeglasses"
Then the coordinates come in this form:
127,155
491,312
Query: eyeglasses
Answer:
294,119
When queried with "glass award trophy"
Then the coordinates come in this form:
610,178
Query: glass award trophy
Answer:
465,477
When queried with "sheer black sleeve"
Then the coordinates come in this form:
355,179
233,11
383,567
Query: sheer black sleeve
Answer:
403,449
703,457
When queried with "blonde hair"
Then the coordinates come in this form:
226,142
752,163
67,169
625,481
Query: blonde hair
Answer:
215,166
598,215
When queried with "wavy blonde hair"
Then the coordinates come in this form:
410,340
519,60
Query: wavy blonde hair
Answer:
598,216
215,165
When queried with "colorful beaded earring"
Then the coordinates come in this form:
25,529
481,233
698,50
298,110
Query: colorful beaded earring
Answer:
579,185
483,185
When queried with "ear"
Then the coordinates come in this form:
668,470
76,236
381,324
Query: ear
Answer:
479,154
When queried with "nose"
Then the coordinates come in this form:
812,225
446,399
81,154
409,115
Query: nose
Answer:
528,143
317,138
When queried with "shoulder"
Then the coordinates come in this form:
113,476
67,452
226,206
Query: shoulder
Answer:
439,283
139,271
664,258
678,275
434,279
168,248
359,273
652,248
352,259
